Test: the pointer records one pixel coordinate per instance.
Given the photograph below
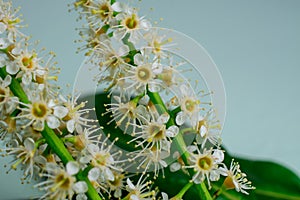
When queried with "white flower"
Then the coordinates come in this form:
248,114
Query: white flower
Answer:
39,111
103,10
102,161
61,183
26,155
140,191
157,44
208,129
8,103
143,75
28,64
130,23
206,165
126,113
155,134
9,23
189,106
235,178
111,60
75,114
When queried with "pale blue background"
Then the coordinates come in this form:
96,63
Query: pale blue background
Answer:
255,44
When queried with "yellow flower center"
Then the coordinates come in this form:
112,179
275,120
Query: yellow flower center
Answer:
228,183
189,105
103,11
62,181
28,63
131,22
143,73
156,132
39,110
100,159
205,163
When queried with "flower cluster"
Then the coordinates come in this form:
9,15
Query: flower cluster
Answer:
51,135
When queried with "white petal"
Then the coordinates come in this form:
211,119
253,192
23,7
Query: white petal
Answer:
40,160
60,111
145,24
53,122
26,78
191,148
29,144
93,148
218,155
81,197
124,49
118,7
134,197
12,68
180,118
172,131
175,167
214,175
108,174
164,196
94,174
38,125
203,130
51,103
164,118
80,187
3,27
3,43
7,81
10,37
85,159
72,167
154,87
17,50
138,59
118,193
130,184
163,163
71,125
197,179
157,68
51,167
119,34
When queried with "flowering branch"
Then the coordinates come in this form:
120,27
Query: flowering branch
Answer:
148,110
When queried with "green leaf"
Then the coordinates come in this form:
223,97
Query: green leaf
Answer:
272,181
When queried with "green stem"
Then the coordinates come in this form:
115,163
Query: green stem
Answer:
51,138
56,144
183,191
15,86
180,144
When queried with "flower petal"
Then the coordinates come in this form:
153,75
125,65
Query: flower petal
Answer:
94,174
72,167
80,187
29,144
60,111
